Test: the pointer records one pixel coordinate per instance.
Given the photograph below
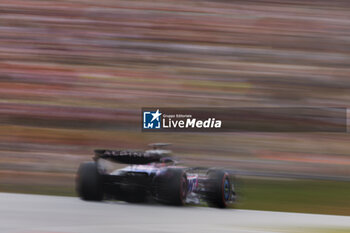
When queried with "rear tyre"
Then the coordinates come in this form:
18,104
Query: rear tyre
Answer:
89,182
171,187
218,189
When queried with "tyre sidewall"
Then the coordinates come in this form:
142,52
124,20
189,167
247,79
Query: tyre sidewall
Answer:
89,182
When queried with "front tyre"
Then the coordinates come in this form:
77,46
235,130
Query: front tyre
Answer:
89,182
219,189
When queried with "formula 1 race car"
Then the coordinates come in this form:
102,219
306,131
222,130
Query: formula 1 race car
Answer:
153,175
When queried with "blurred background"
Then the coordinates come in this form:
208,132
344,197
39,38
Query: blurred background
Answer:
74,75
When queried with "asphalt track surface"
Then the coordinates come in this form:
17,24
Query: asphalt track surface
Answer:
21,213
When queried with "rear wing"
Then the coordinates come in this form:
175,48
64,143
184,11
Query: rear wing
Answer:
128,157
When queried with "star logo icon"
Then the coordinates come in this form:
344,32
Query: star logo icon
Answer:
156,115
151,119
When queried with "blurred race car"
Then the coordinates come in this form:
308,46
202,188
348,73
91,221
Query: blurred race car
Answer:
153,174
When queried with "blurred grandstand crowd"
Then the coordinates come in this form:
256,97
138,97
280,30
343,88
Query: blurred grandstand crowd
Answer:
74,75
